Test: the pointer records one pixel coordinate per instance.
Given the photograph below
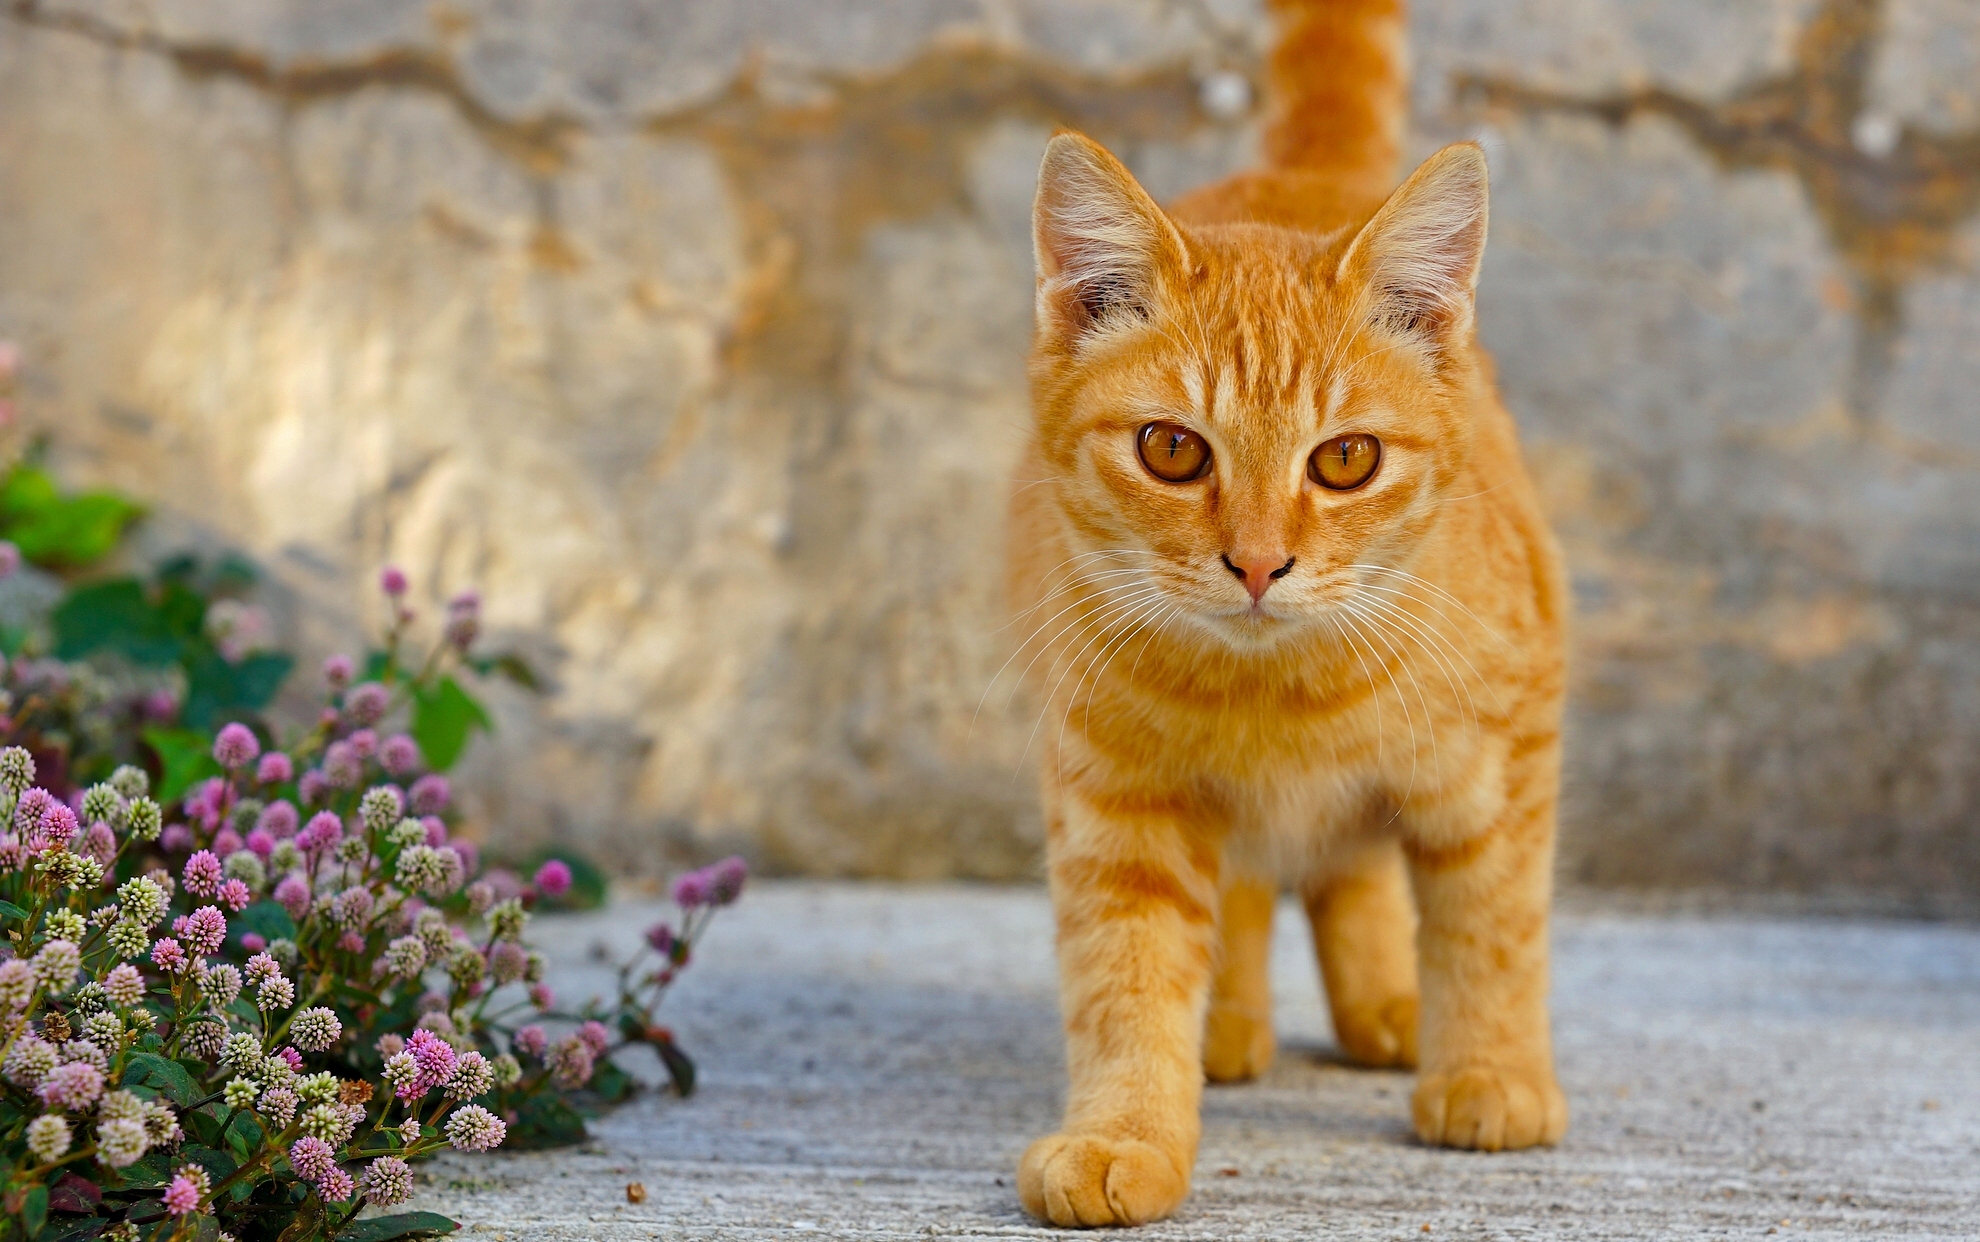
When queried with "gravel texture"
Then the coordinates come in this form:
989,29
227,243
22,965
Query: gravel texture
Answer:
875,1058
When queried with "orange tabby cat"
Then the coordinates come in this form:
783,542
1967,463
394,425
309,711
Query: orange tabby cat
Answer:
1303,624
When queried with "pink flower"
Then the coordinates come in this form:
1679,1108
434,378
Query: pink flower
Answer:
73,1086
311,1158
596,1037
176,837
235,895
290,1055
571,1063
350,942
205,930
342,767
278,819
28,809
435,1058
436,830
431,794
691,890
337,671
400,754
363,743
292,894
253,942
55,828
530,1041
336,1186
262,842
367,703
312,786
202,874
554,877
101,843
227,842
660,937
324,829
541,996
390,1046
236,746
10,555
168,956
275,769
183,1195
392,581
725,879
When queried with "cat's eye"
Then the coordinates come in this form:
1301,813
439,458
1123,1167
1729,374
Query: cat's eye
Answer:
1174,453
1345,462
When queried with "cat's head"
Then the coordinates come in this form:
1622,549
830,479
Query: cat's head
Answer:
1236,416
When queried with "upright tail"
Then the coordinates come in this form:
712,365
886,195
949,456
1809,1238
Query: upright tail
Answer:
1338,91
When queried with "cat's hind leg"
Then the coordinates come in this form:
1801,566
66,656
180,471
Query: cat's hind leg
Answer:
1364,933
1237,1035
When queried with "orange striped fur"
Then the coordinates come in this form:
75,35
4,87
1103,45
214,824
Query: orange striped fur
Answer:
1378,729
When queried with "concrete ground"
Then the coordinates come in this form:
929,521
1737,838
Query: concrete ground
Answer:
874,1059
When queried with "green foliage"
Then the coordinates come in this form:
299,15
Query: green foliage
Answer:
167,1077
164,624
184,758
55,530
403,1225
443,717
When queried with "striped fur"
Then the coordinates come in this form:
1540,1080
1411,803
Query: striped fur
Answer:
1381,730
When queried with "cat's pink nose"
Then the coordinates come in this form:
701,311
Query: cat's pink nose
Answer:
1258,572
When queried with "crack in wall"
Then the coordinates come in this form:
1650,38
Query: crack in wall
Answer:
1891,215
539,144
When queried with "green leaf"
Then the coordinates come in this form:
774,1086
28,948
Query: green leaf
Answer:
218,1164
244,1135
403,1225
186,756
8,910
154,1170
679,1067
117,616
218,690
34,1211
58,531
545,1120
169,1077
265,919
511,666
612,1084
63,1230
443,716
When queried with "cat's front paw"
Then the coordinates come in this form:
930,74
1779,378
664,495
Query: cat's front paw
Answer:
1073,1180
1237,1046
1489,1108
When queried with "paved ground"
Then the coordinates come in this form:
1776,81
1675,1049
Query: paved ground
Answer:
875,1058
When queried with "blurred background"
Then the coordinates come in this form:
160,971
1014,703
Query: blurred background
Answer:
692,334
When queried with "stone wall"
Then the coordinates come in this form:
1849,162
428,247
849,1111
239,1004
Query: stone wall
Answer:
692,332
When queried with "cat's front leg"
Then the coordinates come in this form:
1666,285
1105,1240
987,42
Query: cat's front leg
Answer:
1487,1066
1135,892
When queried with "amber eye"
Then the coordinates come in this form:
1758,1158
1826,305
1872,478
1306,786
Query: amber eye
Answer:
1345,462
1174,453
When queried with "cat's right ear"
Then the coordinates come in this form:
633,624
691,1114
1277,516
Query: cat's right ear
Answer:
1101,241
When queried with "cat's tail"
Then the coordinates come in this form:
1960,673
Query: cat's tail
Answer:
1338,90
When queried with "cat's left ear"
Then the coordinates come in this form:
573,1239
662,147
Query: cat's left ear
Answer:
1418,257
1102,243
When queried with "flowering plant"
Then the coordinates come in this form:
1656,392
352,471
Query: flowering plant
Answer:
250,1022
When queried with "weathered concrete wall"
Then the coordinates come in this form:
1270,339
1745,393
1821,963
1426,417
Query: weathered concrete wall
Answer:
693,332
